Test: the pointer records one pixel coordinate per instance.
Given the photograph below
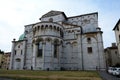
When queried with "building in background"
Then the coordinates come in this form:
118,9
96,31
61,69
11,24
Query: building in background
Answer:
112,56
117,34
6,60
1,59
59,42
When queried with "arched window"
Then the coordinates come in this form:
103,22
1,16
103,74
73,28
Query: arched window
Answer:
35,29
38,27
56,49
89,40
50,26
48,39
55,27
61,34
42,27
39,54
58,29
46,26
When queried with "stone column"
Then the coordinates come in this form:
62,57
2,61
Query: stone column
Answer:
24,55
59,52
52,54
12,55
43,52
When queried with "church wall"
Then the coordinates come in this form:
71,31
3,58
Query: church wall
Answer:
19,55
29,46
68,54
72,51
71,55
90,57
69,35
89,23
101,51
29,51
47,56
47,61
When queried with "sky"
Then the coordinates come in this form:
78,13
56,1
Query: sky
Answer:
15,14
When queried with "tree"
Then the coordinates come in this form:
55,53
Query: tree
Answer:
1,52
117,65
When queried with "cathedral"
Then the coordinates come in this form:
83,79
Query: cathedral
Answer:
58,42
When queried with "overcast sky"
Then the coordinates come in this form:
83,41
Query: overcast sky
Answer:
14,14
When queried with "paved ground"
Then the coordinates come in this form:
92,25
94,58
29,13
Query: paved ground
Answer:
107,76
5,79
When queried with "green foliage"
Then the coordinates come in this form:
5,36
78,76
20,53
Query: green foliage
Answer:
117,65
1,52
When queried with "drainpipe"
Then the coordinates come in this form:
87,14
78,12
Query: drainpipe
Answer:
81,49
82,55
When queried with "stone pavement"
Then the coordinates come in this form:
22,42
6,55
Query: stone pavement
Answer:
5,79
106,76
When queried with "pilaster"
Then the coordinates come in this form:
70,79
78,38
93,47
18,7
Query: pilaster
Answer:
12,55
35,51
43,52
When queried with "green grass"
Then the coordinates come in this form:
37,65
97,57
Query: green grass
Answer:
48,79
49,75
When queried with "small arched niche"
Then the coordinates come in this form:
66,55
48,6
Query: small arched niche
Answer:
51,19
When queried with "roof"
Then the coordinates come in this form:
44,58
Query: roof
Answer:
84,15
22,36
116,24
53,13
111,48
30,25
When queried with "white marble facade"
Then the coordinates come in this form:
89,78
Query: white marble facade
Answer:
59,42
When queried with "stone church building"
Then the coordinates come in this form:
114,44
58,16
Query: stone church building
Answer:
59,42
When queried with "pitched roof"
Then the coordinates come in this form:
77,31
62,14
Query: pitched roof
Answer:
53,13
116,24
83,15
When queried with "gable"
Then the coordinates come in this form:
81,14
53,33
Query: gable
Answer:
116,26
54,16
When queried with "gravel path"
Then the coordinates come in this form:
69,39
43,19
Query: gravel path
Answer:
107,76
5,79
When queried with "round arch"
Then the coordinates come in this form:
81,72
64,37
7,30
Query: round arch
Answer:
18,60
48,39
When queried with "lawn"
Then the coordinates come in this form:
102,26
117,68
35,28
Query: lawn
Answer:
50,75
